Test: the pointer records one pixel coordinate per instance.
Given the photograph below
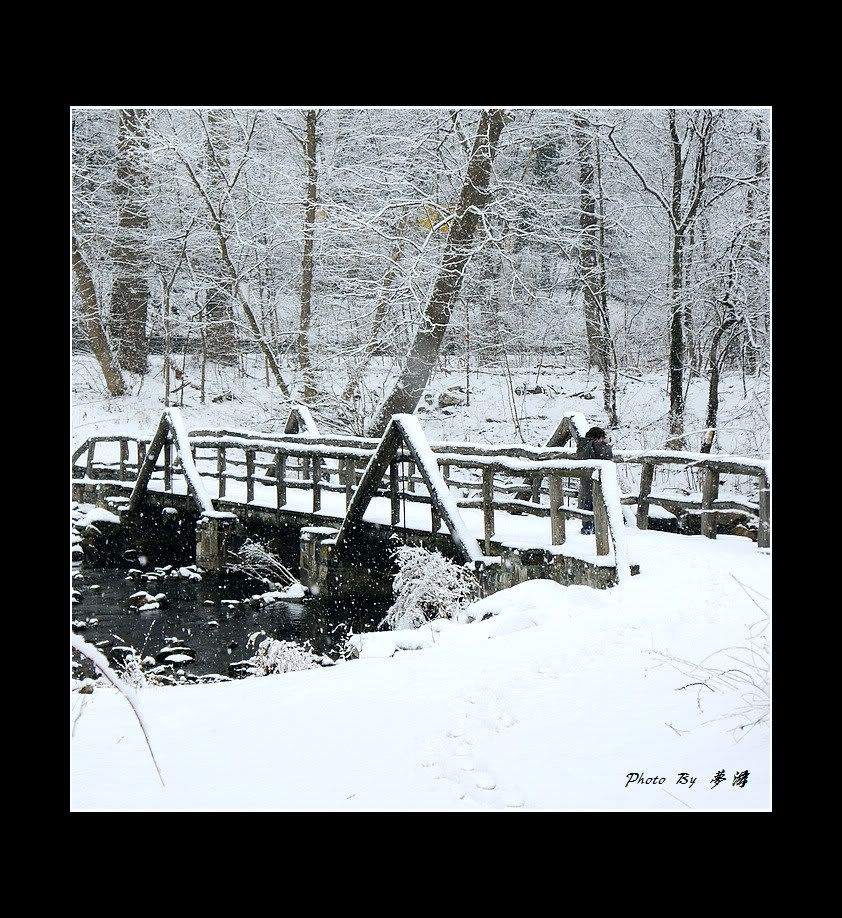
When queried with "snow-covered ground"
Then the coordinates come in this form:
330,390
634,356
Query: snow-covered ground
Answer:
552,702
549,704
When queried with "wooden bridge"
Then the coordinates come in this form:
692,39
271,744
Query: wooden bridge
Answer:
502,509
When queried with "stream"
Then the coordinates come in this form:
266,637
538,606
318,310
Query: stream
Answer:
204,624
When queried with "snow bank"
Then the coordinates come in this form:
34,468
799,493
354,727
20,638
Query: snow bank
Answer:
523,606
97,515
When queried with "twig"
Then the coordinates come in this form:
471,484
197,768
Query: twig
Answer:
98,659
745,590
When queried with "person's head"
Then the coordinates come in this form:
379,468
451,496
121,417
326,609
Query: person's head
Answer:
595,433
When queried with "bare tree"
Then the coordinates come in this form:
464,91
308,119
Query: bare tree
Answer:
592,266
130,289
689,178
221,232
96,333
307,260
220,333
420,360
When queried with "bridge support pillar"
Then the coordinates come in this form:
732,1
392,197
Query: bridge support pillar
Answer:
212,537
364,570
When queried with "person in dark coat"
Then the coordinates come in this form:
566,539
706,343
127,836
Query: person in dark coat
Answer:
594,445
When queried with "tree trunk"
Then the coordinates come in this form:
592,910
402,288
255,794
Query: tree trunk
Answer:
752,351
589,275
713,388
425,348
130,288
307,261
96,333
220,332
676,353
694,361
609,357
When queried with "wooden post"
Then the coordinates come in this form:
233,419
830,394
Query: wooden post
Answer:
249,475
317,477
710,491
536,490
764,531
394,499
600,520
350,480
280,480
168,464
410,485
305,468
445,474
487,506
211,543
220,469
646,476
435,519
141,454
556,514
124,458
89,463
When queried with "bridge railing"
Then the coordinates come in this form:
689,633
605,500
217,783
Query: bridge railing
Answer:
710,467
336,465
490,478
125,468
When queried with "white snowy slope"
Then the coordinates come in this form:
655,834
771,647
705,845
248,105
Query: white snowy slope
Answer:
549,703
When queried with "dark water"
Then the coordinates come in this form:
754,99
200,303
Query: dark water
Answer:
192,609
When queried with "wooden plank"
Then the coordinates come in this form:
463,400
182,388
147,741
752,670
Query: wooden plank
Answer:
148,465
249,475
710,491
647,474
556,513
488,507
602,531
724,467
280,480
220,468
764,531
317,480
500,468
